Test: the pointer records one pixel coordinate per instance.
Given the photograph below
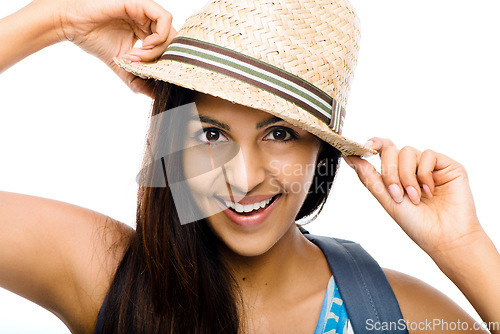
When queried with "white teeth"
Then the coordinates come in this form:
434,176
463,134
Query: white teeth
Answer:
239,208
248,207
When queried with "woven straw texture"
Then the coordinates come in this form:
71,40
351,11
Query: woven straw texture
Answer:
316,40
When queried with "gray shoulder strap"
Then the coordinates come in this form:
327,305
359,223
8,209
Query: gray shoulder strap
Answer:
370,302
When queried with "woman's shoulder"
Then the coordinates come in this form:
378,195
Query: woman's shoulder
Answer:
64,255
112,239
92,263
94,268
423,305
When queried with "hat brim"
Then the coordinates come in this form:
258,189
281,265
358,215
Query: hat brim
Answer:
236,91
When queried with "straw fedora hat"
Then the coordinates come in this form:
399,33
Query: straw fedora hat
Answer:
291,58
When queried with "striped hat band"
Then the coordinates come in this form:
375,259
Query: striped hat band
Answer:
260,74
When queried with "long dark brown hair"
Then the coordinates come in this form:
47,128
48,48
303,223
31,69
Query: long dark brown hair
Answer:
172,279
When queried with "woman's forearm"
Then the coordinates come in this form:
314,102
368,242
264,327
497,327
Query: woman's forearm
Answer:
27,31
475,270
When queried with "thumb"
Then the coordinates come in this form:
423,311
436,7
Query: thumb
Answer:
142,86
135,83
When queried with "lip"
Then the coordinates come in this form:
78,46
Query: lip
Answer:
252,220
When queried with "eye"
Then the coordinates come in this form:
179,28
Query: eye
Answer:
281,134
211,136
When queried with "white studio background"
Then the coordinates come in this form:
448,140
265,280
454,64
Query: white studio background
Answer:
427,76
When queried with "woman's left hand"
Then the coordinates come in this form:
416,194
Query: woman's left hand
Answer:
108,29
426,193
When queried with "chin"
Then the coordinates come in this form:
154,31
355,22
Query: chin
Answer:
249,248
251,244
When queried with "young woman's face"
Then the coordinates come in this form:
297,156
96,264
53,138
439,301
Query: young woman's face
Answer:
257,172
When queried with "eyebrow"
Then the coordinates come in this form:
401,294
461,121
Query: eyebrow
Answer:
268,121
209,120
224,126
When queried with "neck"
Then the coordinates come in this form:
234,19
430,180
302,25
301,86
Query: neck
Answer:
279,272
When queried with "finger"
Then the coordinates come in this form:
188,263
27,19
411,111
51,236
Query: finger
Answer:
149,54
372,180
348,161
146,27
133,11
136,84
162,21
426,166
171,35
144,30
143,11
139,32
408,161
151,18
153,26
389,166
142,86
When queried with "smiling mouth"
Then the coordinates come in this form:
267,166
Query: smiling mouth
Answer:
249,209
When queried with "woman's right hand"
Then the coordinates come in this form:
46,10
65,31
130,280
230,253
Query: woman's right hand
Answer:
110,28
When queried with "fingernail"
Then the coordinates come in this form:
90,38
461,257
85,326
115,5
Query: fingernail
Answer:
427,190
147,47
131,57
369,143
413,194
396,193
349,162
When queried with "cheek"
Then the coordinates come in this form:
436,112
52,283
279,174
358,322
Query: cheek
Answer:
294,174
198,172
201,184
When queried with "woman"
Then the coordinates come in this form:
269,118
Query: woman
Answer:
74,287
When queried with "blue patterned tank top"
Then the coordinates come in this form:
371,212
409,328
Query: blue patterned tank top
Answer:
333,318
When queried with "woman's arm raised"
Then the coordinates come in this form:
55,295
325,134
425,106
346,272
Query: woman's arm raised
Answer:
59,255
25,32
428,195
105,29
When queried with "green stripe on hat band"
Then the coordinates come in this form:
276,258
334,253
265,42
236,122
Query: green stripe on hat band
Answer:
257,75
260,74
337,122
255,65
254,72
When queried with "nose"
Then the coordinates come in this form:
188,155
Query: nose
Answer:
246,170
